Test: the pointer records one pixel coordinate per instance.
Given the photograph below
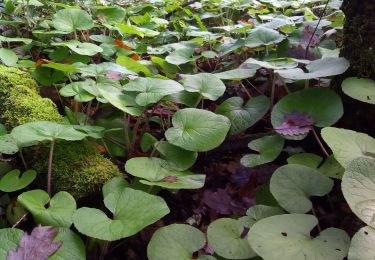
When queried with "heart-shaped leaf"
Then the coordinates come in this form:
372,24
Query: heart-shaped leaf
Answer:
236,74
263,36
176,241
58,214
181,56
76,90
225,237
358,187
71,19
152,169
12,181
243,116
360,89
151,90
133,65
274,64
197,130
259,212
295,124
269,148
287,236
8,145
82,48
362,245
317,69
72,246
35,132
9,238
347,145
176,158
293,184
324,106
307,159
206,84
132,211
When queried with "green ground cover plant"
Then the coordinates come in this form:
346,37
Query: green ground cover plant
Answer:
179,130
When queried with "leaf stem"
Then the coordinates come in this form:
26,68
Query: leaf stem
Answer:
126,122
49,174
319,142
23,159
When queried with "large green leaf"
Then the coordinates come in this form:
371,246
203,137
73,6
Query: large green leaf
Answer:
82,48
263,36
208,85
133,65
347,145
323,105
152,90
34,132
269,148
72,246
197,130
153,171
176,158
362,245
9,238
225,237
360,89
243,116
274,64
236,74
76,90
132,211
58,214
12,181
181,56
358,187
8,57
287,237
293,184
71,19
8,145
317,69
176,241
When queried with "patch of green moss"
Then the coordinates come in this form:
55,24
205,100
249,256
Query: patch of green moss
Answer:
77,166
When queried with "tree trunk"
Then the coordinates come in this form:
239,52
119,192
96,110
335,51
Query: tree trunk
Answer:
359,37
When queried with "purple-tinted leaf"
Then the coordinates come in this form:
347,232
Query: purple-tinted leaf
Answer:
299,52
295,123
309,35
37,246
114,75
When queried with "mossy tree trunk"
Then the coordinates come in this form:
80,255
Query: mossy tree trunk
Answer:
359,37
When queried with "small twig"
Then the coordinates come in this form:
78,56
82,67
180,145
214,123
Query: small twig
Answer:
316,28
104,250
20,220
23,159
319,142
245,90
88,112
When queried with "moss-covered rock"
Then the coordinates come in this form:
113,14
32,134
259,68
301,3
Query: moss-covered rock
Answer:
78,167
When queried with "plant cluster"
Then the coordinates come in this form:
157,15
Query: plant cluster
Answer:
134,96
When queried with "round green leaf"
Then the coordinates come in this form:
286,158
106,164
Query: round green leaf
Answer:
197,130
360,89
317,69
8,145
151,90
181,56
307,159
263,36
12,181
76,90
243,116
72,246
208,85
58,214
293,184
9,238
323,105
154,172
362,245
358,187
287,237
224,235
347,145
71,19
35,132
8,57
236,74
176,158
269,148
176,241
133,211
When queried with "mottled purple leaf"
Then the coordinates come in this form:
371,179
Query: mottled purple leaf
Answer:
295,123
309,35
299,52
114,75
36,246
